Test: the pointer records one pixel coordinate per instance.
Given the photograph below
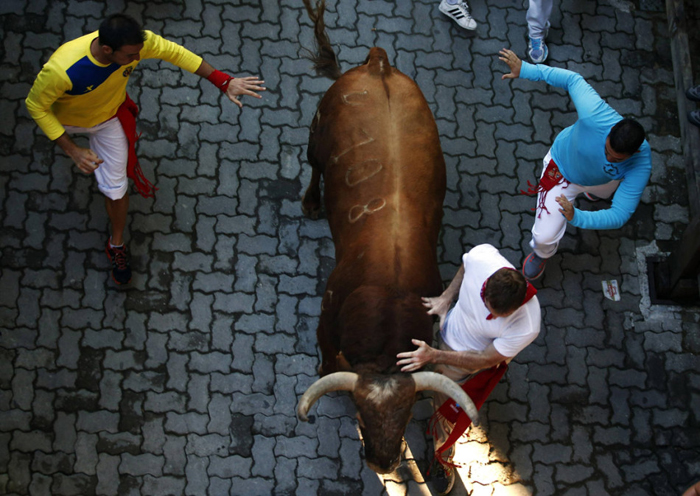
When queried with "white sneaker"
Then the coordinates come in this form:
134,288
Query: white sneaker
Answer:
458,13
537,50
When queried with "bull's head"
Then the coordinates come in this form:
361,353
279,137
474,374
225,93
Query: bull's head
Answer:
384,404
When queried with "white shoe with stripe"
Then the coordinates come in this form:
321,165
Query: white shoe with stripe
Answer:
459,13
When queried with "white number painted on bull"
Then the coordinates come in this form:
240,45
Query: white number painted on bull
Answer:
359,210
346,98
329,295
316,120
358,173
369,140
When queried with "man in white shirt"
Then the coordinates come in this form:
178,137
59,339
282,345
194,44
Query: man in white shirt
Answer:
496,316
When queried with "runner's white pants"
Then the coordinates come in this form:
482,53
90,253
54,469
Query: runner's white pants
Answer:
109,142
550,227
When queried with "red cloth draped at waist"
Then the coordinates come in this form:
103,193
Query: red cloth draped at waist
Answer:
126,114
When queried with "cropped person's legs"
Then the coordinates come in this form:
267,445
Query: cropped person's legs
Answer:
109,143
444,478
538,14
550,224
538,24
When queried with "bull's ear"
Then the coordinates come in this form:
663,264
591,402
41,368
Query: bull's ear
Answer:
342,362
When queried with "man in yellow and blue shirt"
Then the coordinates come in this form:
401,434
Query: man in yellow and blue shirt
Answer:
82,89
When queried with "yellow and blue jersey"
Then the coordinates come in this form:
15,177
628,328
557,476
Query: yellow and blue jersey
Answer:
74,89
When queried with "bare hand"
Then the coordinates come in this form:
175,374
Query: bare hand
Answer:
244,86
513,62
437,306
567,209
414,360
86,160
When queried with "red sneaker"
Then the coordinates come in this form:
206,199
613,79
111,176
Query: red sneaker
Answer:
533,267
118,256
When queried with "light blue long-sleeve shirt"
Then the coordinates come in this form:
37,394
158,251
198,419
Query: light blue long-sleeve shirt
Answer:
579,150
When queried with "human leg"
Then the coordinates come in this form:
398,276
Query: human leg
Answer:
110,144
117,212
549,226
443,474
538,24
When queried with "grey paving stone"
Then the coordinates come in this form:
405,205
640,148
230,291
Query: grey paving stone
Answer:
163,485
165,402
73,485
295,447
141,464
611,436
317,468
86,453
229,466
22,388
122,360
219,414
263,373
110,390
94,422
207,445
274,425
156,351
144,381
154,437
285,474
175,458
107,471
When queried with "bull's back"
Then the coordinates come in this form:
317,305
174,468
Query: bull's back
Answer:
384,172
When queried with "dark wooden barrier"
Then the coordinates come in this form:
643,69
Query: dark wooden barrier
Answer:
676,279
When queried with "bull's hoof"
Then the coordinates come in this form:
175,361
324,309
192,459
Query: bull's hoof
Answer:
310,209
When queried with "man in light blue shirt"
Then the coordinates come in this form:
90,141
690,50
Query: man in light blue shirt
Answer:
600,154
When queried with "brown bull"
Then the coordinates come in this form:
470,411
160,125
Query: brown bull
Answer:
375,141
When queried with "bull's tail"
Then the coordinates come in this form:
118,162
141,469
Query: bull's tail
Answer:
325,60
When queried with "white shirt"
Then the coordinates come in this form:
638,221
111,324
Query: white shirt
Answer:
467,327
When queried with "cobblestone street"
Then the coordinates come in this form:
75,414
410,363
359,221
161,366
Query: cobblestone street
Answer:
186,381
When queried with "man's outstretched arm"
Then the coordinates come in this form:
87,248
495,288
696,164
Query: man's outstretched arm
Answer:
472,361
157,47
232,87
585,98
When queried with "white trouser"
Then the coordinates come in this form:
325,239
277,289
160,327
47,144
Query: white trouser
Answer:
538,17
550,227
109,143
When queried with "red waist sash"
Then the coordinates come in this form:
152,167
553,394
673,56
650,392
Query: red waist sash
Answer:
126,114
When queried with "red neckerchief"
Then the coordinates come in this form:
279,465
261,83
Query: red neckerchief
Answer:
126,114
531,291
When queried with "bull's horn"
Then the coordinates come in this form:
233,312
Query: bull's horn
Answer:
437,382
337,381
